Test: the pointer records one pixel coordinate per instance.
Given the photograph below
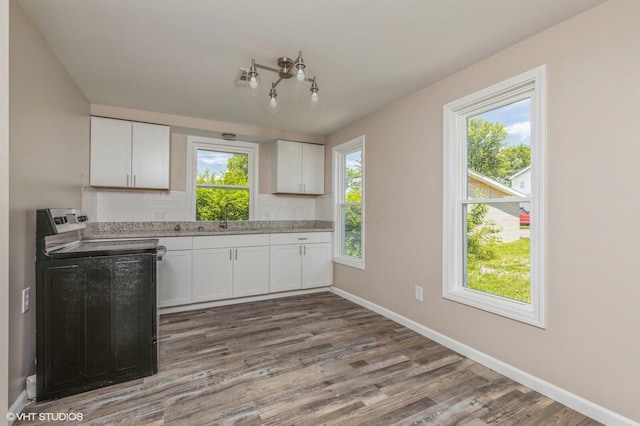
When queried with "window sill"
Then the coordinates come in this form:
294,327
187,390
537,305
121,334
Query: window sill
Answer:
350,261
513,309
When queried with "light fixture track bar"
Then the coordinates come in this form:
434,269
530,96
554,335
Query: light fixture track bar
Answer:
264,67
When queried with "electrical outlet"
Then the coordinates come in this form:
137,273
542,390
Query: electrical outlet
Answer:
26,299
419,293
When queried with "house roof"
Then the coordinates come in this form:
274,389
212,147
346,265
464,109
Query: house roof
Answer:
520,172
494,184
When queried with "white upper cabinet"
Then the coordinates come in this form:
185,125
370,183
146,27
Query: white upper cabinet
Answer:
127,154
298,168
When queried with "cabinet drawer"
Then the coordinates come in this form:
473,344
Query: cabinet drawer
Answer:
176,243
300,238
221,241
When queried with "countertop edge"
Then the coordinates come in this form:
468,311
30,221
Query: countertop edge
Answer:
109,235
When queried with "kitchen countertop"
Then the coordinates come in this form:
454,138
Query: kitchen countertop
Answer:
117,230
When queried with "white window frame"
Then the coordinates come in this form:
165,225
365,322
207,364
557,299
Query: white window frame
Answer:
531,84
339,153
194,143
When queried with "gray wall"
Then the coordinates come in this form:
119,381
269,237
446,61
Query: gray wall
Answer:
591,345
48,155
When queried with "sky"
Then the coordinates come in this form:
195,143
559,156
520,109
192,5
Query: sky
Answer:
215,161
516,119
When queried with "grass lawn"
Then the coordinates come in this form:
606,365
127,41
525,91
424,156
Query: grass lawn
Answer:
506,274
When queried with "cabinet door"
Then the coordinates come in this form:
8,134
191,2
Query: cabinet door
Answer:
251,271
132,312
174,279
94,323
316,265
285,268
288,168
312,168
150,156
212,274
110,152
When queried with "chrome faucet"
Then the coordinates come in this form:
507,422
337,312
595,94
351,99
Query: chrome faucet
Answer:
225,222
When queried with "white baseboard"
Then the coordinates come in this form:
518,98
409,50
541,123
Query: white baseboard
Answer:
205,305
571,400
17,407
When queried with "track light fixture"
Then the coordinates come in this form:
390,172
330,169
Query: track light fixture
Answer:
287,68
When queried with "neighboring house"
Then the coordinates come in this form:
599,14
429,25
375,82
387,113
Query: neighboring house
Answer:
521,181
506,216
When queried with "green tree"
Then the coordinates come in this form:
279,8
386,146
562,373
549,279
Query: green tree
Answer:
353,213
488,154
485,140
514,159
482,234
210,202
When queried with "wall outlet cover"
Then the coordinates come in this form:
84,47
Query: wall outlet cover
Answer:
419,293
26,299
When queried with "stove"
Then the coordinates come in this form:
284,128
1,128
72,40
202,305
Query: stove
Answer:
96,311
59,236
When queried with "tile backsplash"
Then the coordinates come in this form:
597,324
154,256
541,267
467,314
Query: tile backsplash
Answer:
112,205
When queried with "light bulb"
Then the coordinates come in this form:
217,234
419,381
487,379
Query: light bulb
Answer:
314,97
273,103
300,74
253,83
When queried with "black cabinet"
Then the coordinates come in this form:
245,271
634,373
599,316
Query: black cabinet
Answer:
95,322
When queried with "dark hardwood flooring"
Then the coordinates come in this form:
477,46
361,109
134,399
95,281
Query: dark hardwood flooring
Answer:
308,360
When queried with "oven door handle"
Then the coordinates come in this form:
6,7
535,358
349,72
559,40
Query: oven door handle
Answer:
162,250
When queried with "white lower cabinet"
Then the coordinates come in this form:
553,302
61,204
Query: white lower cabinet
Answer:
316,265
230,266
299,260
212,274
286,264
208,268
174,272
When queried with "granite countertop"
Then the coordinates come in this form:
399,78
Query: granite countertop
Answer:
117,230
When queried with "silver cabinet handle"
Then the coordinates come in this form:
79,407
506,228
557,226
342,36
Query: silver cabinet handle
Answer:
304,250
300,250
236,254
134,180
127,179
230,254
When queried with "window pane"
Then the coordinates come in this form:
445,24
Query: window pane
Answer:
222,168
353,177
352,230
499,152
210,203
498,250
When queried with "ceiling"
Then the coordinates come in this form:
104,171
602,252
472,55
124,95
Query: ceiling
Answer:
183,57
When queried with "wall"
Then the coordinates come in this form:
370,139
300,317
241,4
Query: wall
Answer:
590,346
4,206
48,152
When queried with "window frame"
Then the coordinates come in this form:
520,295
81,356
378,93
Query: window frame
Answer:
530,84
195,143
339,154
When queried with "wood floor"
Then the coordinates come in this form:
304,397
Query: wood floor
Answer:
308,360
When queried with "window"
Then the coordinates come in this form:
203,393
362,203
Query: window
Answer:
348,181
222,172
493,233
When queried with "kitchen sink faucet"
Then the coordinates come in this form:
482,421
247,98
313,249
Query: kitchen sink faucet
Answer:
225,223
